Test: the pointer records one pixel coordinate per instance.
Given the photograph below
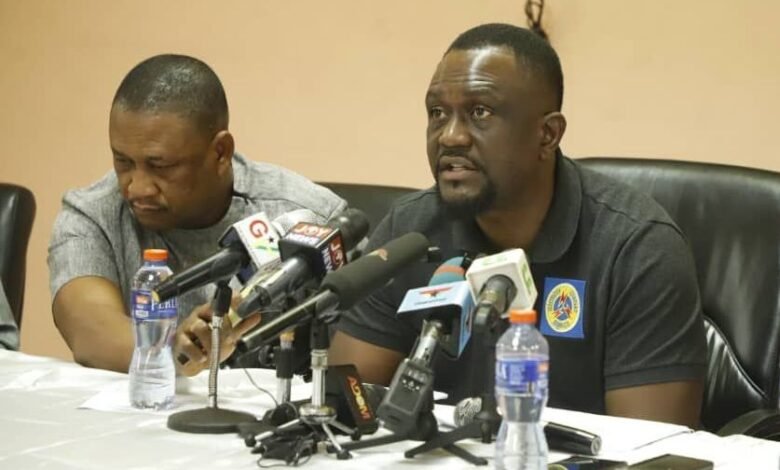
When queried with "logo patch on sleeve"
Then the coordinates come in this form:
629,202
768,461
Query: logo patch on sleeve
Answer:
564,308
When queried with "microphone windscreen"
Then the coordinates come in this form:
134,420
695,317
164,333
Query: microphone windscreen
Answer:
221,265
466,410
370,272
353,225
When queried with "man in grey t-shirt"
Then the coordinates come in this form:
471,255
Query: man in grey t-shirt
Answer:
177,184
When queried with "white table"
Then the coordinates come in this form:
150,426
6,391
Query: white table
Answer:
43,425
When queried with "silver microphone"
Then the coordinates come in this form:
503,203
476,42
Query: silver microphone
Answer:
466,410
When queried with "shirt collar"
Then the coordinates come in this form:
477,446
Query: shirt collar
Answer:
240,176
560,224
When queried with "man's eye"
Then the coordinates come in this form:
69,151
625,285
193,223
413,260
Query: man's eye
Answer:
122,163
435,113
162,166
481,112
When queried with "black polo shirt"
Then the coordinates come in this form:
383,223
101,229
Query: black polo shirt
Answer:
618,298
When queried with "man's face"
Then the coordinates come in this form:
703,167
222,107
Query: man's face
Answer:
166,168
484,121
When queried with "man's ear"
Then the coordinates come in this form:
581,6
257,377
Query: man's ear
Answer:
553,128
223,146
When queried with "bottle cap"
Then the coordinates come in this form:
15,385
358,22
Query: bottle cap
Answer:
522,316
155,255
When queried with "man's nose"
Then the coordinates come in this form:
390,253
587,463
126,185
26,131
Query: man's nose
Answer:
142,185
455,133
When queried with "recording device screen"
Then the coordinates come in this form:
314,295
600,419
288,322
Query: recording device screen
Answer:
587,463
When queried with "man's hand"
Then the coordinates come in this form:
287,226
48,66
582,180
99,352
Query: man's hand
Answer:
192,344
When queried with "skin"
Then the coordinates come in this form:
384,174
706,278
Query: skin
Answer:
172,175
493,124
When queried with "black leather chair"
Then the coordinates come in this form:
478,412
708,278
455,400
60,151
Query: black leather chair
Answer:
731,217
374,200
17,212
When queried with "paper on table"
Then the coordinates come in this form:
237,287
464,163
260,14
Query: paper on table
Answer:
235,391
730,452
618,435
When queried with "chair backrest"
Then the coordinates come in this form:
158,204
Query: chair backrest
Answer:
374,200
17,212
731,218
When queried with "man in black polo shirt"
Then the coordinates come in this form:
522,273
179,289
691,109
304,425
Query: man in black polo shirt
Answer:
630,341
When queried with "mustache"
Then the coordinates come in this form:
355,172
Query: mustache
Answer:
476,164
146,203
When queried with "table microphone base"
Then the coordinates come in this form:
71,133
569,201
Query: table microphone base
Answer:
208,421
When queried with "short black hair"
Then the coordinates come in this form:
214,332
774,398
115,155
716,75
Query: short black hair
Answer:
178,84
530,48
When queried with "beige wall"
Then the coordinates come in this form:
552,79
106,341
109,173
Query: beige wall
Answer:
334,89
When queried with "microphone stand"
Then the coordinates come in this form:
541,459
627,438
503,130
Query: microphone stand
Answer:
425,429
487,322
316,414
212,419
285,411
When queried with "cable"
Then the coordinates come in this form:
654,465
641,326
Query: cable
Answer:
533,13
292,449
260,388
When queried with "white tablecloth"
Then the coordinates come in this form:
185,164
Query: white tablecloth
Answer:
58,415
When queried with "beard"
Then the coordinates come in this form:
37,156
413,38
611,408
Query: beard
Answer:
466,207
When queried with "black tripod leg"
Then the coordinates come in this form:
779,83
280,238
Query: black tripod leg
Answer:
443,439
378,441
447,440
465,455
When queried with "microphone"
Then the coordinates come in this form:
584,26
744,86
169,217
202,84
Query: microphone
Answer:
342,288
446,303
261,239
559,436
308,251
250,242
501,282
282,225
447,310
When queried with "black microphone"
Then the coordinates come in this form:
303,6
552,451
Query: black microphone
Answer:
559,436
221,265
308,251
249,243
342,288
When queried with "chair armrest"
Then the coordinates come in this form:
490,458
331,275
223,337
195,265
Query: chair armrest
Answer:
764,424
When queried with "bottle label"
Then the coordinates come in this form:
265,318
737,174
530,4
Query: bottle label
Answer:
522,376
145,308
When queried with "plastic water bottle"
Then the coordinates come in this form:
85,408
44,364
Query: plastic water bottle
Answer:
152,372
522,362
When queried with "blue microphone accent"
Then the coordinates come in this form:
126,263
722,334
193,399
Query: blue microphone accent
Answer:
451,270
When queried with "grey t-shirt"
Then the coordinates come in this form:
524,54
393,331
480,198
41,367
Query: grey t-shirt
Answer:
96,234
9,333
